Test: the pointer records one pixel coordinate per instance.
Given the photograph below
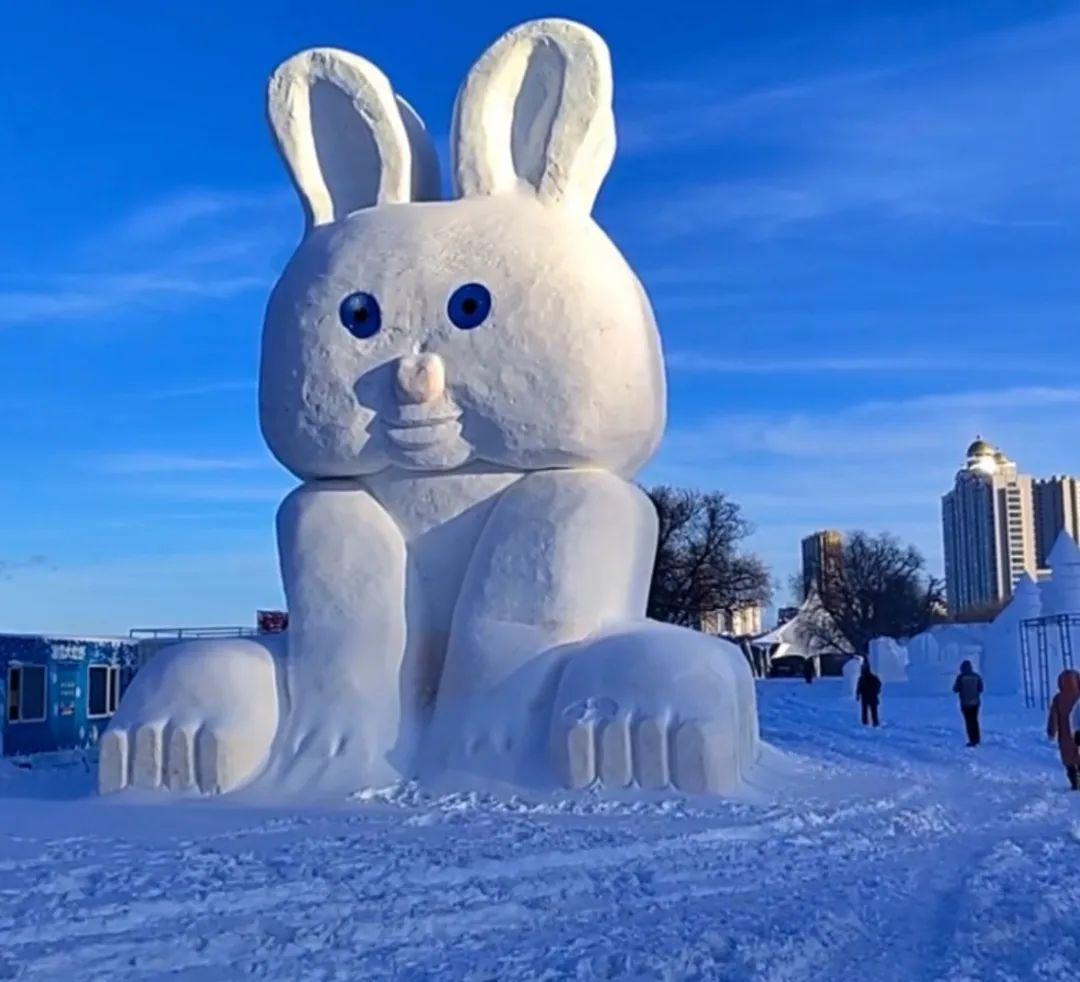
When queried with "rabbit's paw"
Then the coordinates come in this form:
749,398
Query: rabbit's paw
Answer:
654,708
336,747
200,716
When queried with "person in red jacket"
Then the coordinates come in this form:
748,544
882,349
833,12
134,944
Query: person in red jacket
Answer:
1064,724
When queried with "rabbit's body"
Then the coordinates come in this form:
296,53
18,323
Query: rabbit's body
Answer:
465,388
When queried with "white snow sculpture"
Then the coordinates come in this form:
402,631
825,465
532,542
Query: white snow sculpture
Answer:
1001,658
888,659
934,657
1061,592
466,388
852,670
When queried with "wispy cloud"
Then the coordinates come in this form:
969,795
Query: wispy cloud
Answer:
9,568
202,389
870,429
220,492
943,138
197,479
161,463
692,362
76,297
183,249
875,464
986,400
156,590
165,219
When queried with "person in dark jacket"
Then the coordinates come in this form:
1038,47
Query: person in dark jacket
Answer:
808,670
868,692
969,686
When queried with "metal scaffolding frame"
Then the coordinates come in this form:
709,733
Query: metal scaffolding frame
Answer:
1037,677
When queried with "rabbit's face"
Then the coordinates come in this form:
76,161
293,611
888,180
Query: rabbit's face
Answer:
424,336
503,327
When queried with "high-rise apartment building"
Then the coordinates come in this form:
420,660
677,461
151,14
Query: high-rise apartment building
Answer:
1057,509
822,562
988,521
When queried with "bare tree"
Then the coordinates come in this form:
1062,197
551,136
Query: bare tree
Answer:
979,613
699,568
882,589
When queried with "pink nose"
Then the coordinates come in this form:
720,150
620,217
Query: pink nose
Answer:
421,378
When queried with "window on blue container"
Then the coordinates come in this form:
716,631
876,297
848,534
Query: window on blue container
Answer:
26,693
103,690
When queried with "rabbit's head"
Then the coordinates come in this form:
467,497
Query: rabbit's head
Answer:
501,326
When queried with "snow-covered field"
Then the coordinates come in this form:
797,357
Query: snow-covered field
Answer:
899,854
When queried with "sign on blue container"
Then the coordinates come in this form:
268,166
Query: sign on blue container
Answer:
60,693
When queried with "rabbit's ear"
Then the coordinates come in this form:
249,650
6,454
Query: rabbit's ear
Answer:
346,139
425,161
535,111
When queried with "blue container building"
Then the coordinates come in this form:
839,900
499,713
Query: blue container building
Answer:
60,693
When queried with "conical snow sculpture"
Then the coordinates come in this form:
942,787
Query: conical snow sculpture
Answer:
465,389
1001,662
1061,593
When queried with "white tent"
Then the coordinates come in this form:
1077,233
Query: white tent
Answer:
793,638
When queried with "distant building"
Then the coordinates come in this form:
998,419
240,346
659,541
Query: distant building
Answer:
734,623
785,614
988,526
59,693
1057,509
822,563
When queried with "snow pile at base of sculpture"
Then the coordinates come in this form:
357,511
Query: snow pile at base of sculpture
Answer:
466,389
928,662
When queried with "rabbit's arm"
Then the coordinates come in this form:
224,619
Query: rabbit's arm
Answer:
343,566
343,563
563,554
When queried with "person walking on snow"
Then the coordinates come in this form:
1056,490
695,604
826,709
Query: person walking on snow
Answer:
868,692
969,686
1064,723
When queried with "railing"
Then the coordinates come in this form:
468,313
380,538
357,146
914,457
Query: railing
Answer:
176,633
1053,643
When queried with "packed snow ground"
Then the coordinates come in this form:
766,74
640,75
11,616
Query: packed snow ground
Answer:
897,854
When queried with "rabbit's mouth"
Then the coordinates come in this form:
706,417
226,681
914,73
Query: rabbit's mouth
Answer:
432,443
416,434
417,431
426,434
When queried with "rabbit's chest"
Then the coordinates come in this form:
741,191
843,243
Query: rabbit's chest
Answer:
441,516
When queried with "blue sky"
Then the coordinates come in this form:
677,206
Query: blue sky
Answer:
858,223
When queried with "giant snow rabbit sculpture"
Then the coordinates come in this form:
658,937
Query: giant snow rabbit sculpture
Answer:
465,389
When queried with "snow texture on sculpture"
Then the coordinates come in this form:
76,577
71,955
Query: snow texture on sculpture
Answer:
851,671
465,388
888,659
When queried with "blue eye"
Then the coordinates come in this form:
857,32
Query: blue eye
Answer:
360,314
469,306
